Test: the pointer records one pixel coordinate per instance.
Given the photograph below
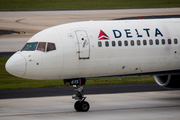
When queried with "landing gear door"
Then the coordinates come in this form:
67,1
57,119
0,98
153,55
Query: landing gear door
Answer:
83,44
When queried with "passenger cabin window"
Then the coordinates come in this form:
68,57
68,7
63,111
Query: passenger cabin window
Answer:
144,42
51,46
119,43
169,41
126,43
138,42
30,46
132,42
113,43
151,42
107,44
163,41
175,41
157,42
100,44
41,46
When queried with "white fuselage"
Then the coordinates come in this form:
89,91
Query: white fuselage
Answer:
82,50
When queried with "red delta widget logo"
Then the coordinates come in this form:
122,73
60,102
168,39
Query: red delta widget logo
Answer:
102,36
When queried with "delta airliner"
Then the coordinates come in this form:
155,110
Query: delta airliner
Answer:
76,51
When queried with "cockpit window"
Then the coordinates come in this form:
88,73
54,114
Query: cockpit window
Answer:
41,46
30,46
51,46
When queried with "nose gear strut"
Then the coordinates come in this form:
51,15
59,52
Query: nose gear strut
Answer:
80,105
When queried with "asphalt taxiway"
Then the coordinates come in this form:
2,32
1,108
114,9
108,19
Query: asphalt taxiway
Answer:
164,105
88,90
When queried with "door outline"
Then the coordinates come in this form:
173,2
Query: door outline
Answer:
83,44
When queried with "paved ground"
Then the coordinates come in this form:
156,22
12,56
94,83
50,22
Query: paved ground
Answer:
99,89
34,21
6,54
163,105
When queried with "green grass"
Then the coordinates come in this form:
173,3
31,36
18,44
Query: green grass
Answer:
115,80
8,81
6,5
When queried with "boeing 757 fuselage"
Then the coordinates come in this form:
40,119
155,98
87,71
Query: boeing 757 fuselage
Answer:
76,51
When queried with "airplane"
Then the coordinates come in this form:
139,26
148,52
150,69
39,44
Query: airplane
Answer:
76,51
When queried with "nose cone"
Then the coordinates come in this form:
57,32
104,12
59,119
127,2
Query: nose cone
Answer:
16,65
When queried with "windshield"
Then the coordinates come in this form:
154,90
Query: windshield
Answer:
30,46
51,46
42,46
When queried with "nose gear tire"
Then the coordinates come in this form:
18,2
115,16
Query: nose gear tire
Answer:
81,106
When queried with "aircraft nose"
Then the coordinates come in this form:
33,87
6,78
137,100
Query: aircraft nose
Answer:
16,65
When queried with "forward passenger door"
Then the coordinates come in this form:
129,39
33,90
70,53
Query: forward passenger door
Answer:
83,44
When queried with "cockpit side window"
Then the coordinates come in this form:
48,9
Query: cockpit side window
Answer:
51,46
41,46
30,46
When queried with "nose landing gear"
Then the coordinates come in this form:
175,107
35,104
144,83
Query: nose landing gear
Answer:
80,105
